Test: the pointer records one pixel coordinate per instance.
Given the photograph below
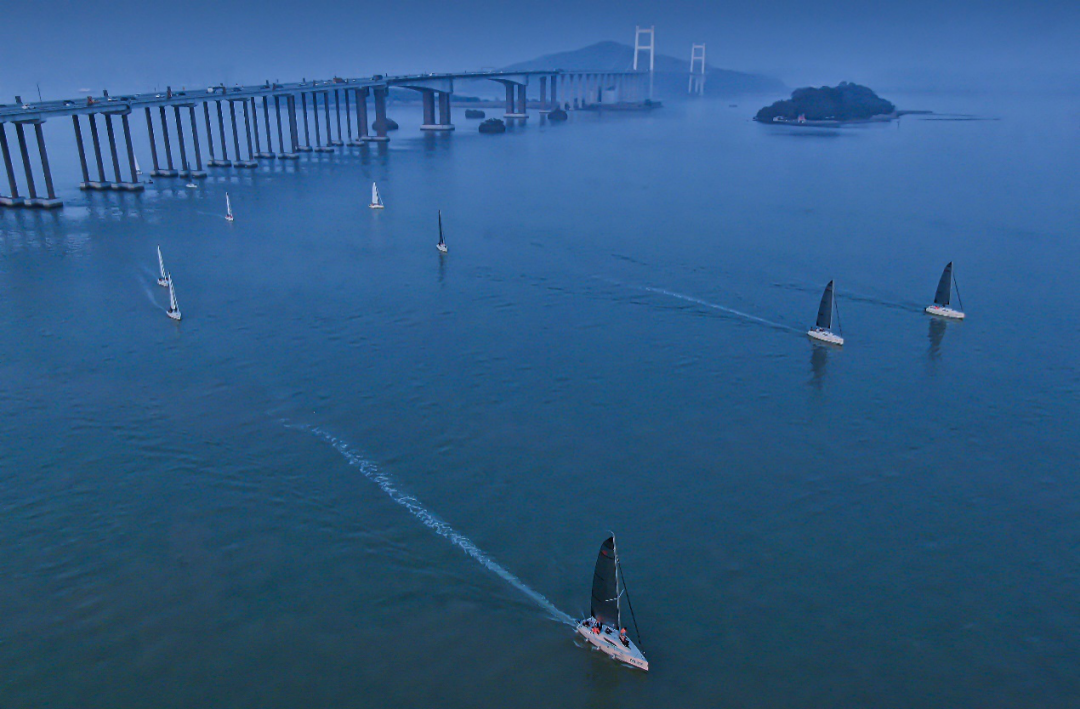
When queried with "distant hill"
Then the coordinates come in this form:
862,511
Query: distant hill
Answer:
845,102
672,75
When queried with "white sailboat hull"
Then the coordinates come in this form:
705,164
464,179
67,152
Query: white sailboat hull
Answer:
376,206
823,335
441,248
607,641
163,282
228,217
174,314
945,312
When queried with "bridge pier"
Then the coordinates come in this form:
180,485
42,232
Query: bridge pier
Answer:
198,172
13,199
283,153
306,147
50,201
348,119
117,179
185,170
380,93
269,154
521,98
319,147
427,98
82,150
171,172
543,95
362,117
337,113
293,128
329,135
238,162
102,183
554,104
223,161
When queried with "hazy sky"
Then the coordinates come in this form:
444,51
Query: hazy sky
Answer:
125,45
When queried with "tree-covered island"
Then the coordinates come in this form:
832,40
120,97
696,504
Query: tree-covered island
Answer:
846,102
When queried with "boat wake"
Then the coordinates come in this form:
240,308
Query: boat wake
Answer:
723,308
386,483
150,293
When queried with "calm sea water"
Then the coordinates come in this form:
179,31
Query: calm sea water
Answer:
361,475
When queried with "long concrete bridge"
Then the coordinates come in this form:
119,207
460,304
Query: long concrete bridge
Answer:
300,101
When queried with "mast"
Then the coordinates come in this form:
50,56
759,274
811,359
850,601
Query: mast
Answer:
618,593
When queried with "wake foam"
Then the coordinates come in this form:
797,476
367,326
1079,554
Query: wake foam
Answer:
386,483
724,308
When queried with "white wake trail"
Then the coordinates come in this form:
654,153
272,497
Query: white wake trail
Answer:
707,304
386,483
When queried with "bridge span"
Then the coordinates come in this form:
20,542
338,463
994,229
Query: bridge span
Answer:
287,113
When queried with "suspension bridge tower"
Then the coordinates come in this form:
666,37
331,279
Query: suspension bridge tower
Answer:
697,70
640,33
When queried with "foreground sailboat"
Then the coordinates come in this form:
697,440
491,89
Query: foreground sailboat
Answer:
822,330
138,170
174,309
376,200
228,208
441,246
603,628
943,297
163,279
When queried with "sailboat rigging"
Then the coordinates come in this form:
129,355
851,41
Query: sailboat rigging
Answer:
228,208
441,246
174,309
943,296
163,279
603,628
376,199
822,329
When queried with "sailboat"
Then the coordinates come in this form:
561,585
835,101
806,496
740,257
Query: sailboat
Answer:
191,184
163,279
376,200
138,170
174,309
944,296
228,208
603,628
441,246
822,330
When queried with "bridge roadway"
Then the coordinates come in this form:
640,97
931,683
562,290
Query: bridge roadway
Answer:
581,88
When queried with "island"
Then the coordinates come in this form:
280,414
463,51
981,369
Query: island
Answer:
829,105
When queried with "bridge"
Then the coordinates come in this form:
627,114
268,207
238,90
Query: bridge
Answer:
302,103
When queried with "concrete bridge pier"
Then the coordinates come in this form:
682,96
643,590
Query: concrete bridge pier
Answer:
119,184
250,162
12,199
82,151
554,94
171,171
329,134
101,183
49,201
184,170
361,116
269,153
427,97
294,136
319,147
223,161
198,172
348,120
209,134
380,93
337,113
444,112
543,95
282,152
306,147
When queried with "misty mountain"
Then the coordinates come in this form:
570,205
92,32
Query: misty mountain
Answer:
671,77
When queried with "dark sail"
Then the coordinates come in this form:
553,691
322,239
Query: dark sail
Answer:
440,227
944,286
824,311
605,605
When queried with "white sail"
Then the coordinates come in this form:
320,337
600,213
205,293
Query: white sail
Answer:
228,207
138,170
173,307
376,200
161,263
